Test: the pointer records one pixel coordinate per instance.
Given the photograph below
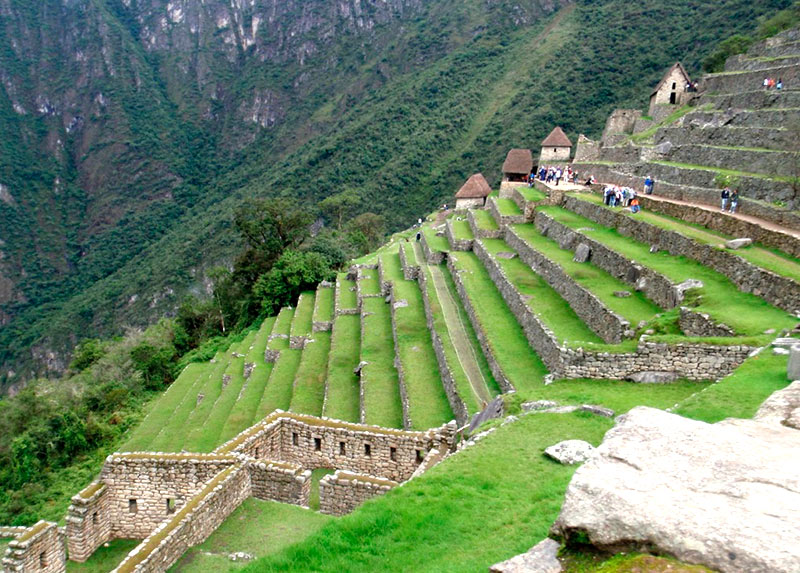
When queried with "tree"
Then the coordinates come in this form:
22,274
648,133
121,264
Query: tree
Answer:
340,206
294,272
372,226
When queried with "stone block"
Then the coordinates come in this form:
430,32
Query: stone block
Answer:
541,558
582,253
738,243
570,452
793,367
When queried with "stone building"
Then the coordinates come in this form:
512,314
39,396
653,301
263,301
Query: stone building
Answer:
518,165
556,147
473,193
671,90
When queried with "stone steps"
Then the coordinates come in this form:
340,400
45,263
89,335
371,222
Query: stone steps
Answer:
750,137
749,63
731,82
767,162
753,99
787,42
769,117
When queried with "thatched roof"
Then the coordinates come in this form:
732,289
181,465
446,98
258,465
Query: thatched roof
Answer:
557,138
518,161
669,73
475,187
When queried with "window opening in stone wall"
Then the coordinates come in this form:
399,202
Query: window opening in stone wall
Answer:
94,518
42,559
317,444
420,457
367,450
342,449
672,98
170,505
393,454
295,439
132,506
555,150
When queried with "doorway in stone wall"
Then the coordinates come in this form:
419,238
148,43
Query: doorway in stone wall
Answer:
316,475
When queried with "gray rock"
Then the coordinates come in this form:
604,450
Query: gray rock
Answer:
782,407
541,558
248,369
240,556
599,410
653,248
738,243
622,293
567,240
226,379
357,369
582,253
493,409
664,148
641,284
779,350
539,405
769,331
570,452
653,377
679,290
199,399
785,342
723,495
793,367
400,304
506,255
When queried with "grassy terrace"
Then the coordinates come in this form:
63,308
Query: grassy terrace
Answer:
282,326
548,305
747,314
243,413
347,298
471,374
532,194
722,171
764,257
484,220
507,207
323,305
104,559
278,392
435,242
301,325
369,282
408,251
379,377
309,383
634,308
342,400
427,402
461,229
520,364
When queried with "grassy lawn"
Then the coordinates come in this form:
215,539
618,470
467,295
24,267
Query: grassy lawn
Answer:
347,298
484,220
520,364
739,394
747,314
507,207
634,308
435,242
532,194
105,558
369,283
316,476
283,324
278,393
309,383
301,325
381,389
505,480
342,400
323,305
764,257
257,527
461,229
548,305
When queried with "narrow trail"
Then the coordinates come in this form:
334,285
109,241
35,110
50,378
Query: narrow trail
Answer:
458,336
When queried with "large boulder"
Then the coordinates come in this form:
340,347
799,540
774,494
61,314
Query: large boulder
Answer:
782,407
723,495
541,558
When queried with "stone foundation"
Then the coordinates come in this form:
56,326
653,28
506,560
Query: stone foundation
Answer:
341,492
482,233
456,244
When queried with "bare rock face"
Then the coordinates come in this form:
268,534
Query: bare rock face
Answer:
782,407
570,452
723,495
651,377
541,558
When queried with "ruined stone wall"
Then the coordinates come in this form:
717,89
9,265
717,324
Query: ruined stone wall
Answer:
607,324
280,481
482,233
338,310
699,324
456,244
621,122
341,492
775,289
89,521
205,512
431,257
140,485
503,220
410,272
40,548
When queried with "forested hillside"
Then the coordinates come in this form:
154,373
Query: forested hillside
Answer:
131,131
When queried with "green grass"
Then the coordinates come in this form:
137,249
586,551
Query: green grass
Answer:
323,305
764,257
427,402
408,251
507,207
739,394
723,171
634,308
283,324
430,523
484,220
278,393
435,242
520,364
369,283
316,476
309,383
257,527
548,305
104,559
243,413
301,325
347,298
342,400
532,194
747,314
461,229
651,131
379,377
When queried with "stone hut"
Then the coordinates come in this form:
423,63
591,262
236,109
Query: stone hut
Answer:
556,147
518,165
473,193
671,90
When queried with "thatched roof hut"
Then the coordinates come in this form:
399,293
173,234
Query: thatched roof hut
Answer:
473,193
518,164
557,138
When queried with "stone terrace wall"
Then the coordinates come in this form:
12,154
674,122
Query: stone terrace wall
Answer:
316,324
654,285
280,481
431,257
216,501
456,244
89,521
775,289
40,548
410,272
398,364
338,310
699,324
482,233
341,492
607,324
503,220
151,479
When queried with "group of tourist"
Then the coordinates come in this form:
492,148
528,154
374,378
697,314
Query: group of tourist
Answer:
550,174
770,83
616,196
729,197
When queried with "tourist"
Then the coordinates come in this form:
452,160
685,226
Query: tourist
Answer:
766,83
648,185
634,205
590,181
734,200
558,175
725,195
779,85
419,235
